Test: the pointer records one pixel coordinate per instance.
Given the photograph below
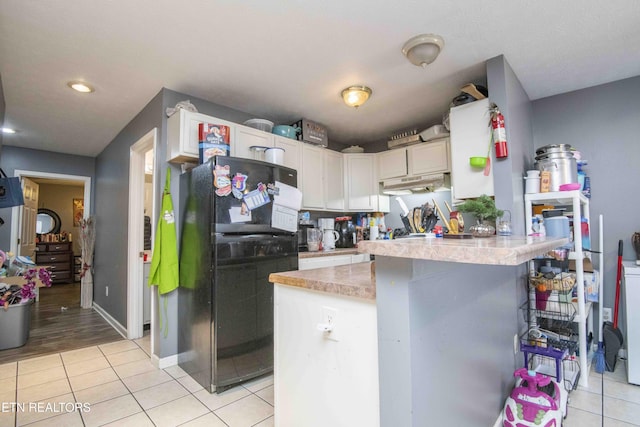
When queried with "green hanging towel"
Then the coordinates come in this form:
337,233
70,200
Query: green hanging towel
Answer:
164,264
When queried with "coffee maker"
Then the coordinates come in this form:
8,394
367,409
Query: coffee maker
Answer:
302,237
346,232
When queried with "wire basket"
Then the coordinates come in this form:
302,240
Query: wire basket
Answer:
561,282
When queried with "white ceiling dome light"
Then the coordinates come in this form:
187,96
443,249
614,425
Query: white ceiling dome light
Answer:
423,49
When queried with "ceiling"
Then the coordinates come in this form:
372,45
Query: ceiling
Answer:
285,60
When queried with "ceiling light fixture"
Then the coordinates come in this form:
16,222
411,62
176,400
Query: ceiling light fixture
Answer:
355,96
81,87
8,130
422,50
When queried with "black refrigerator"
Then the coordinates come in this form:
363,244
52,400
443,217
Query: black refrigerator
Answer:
228,248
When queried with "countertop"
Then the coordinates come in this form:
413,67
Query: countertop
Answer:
353,280
333,252
498,250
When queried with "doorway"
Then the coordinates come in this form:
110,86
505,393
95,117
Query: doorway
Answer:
20,230
142,201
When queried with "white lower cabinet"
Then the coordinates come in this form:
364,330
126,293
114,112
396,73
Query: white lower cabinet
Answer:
319,380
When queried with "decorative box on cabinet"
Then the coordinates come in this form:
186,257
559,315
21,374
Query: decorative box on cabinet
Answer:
58,257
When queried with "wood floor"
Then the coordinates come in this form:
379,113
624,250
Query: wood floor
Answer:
55,329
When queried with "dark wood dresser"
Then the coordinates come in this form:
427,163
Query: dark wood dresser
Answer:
59,258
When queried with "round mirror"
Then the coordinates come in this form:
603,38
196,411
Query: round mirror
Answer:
47,221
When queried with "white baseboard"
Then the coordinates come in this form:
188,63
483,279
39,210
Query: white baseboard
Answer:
110,320
165,362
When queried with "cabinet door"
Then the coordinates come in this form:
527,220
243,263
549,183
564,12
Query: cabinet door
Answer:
470,137
182,135
392,163
292,151
360,181
312,181
246,137
431,157
334,180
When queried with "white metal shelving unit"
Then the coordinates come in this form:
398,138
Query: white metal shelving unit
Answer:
580,205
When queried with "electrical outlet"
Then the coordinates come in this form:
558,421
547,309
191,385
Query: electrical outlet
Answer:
606,315
106,291
330,317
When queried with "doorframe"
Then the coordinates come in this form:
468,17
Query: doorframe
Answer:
135,270
16,211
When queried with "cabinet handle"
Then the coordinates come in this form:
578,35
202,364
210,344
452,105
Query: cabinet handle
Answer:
53,258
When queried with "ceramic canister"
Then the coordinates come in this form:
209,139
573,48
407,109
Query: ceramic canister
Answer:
532,185
274,155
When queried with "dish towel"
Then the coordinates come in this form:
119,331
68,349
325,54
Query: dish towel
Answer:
164,271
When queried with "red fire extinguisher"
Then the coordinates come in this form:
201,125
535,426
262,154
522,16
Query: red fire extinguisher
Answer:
499,133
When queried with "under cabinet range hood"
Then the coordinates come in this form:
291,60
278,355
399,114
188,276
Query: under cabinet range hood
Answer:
417,184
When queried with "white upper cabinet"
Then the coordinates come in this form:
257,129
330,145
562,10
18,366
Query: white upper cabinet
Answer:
311,177
361,182
182,135
392,163
429,157
334,180
470,137
292,152
247,137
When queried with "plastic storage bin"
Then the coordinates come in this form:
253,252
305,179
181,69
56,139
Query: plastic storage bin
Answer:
16,322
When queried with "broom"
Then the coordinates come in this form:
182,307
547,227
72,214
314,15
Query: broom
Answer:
599,356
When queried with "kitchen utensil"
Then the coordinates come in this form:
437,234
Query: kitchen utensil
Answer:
443,218
503,225
613,338
260,124
417,220
532,184
487,167
478,162
353,149
404,215
569,187
477,91
329,238
314,237
286,131
347,231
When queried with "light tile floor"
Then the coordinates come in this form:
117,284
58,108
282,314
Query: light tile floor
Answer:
609,401
120,387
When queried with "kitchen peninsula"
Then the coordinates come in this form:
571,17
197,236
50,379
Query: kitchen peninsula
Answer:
447,318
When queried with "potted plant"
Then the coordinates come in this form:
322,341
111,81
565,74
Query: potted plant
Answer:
485,211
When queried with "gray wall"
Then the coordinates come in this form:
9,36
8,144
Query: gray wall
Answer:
41,161
508,94
112,205
603,123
